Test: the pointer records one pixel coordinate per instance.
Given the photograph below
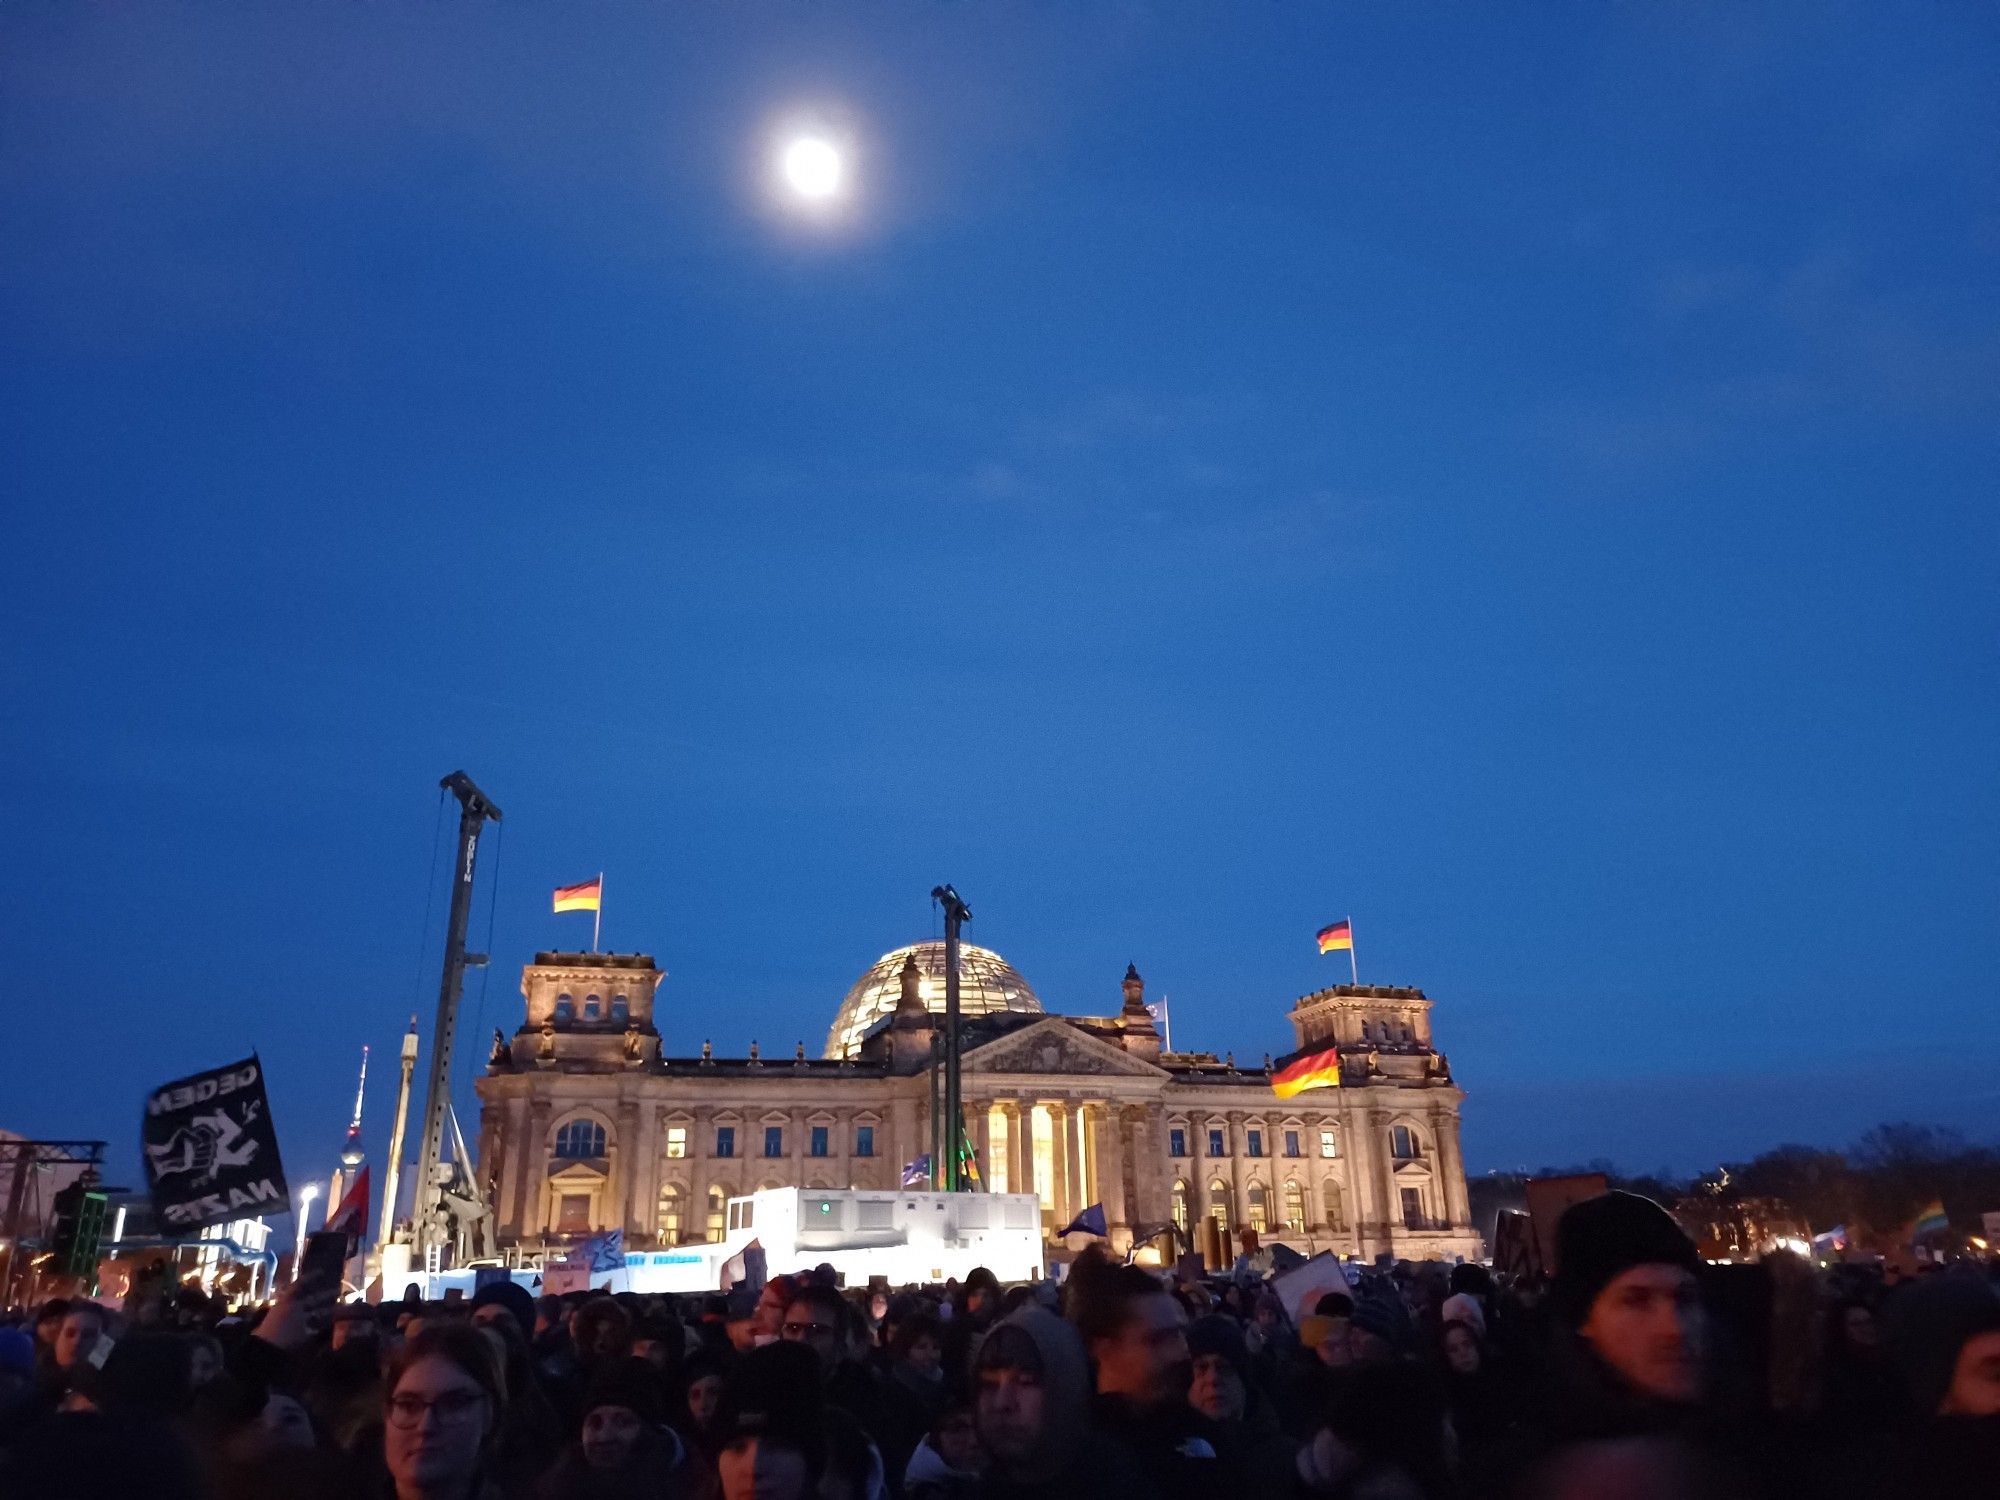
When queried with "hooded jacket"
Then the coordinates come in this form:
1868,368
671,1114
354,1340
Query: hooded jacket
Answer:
1071,1457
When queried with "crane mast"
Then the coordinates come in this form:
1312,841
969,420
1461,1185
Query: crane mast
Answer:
428,1216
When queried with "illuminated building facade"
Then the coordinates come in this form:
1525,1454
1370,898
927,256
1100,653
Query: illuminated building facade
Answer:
589,1122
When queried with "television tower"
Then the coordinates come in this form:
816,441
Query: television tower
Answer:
351,1154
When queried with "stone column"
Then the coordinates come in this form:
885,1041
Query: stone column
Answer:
979,1126
645,1215
1111,1175
1452,1191
1389,1201
626,1170
1059,1187
1020,1156
533,1185
513,1167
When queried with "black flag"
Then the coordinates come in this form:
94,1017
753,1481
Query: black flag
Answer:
211,1151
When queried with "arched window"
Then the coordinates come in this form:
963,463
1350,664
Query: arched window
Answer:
580,1139
1403,1143
621,1008
1367,1031
565,1008
1330,1196
1218,1204
672,1202
1260,1204
1181,1204
593,1008
1295,1208
718,1206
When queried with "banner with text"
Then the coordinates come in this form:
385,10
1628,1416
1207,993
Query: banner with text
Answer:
211,1151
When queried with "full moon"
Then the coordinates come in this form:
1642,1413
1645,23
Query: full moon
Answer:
812,168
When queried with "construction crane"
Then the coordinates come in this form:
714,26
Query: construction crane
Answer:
449,1207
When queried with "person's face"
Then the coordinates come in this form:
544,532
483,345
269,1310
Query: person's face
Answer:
958,1441
1266,1318
608,1435
1461,1351
653,1351
76,1338
1975,1379
1009,1409
1147,1359
878,1306
1337,1348
978,1302
1646,1325
47,1330
603,1338
285,1423
438,1418
1217,1391
769,1316
1859,1325
924,1355
805,1323
205,1363
704,1396
492,1312
751,1469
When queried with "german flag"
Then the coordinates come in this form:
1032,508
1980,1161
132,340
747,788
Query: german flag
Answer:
586,897
1309,1070
1336,935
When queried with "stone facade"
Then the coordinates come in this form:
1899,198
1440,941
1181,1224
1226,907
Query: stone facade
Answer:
587,1124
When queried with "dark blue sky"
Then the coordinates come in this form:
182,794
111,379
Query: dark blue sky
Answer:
1522,478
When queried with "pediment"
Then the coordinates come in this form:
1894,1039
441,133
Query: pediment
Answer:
579,1172
1053,1047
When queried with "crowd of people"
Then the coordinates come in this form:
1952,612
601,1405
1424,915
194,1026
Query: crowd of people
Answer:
1637,1371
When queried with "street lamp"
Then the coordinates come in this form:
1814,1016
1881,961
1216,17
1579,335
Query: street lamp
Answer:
306,1195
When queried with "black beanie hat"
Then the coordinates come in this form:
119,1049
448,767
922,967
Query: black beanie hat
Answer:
517,1299
631,1383
1602,1238
1219,1334
1927,1326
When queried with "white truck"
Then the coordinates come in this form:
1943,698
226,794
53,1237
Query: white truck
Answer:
901,1236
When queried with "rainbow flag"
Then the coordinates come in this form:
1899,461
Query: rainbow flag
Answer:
586,897
1310,1070
1336,935
1931,1221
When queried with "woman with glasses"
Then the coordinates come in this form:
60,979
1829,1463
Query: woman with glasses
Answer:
440,1411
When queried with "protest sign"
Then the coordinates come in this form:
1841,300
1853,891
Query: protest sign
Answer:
211,1151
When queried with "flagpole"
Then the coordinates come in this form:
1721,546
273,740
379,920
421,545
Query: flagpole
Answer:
597,916
1167,1017
1353,967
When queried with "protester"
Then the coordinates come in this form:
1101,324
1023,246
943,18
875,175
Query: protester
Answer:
441,1409
1224,1390
625,1450
775,1442
1031,1409
947,1464
1135,1333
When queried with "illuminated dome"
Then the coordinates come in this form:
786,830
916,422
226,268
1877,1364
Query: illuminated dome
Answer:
986,983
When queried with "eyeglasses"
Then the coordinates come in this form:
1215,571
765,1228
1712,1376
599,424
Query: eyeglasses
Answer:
452,1406
807,1330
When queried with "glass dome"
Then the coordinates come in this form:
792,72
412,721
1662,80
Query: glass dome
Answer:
986,983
